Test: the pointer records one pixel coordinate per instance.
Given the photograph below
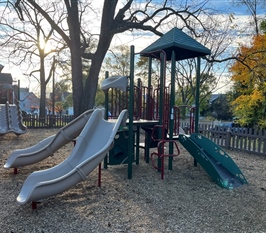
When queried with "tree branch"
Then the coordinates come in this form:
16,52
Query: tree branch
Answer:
50,21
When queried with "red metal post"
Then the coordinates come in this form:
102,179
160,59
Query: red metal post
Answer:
34,205
99,174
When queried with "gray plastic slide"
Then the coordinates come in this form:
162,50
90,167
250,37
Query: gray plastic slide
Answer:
119,82
3,119
48,146
94,142
11,119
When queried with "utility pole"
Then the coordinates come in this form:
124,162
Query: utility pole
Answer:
53,87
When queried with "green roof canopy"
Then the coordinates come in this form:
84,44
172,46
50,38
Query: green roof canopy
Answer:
184,46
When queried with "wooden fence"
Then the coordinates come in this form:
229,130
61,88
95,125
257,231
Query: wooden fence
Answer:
241,139
49,121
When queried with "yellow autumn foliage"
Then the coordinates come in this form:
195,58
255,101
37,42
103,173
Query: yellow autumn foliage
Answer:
249,78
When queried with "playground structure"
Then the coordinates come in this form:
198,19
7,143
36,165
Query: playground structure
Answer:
158,104
10,113
155,113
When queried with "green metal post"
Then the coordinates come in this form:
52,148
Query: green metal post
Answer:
149,113
131,112
161,101
138,126
197,96
106,102
106,99
172,103
197,101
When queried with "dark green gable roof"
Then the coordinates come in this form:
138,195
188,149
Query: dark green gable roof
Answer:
6,78
184,46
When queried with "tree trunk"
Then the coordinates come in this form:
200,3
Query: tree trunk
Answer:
77,83
76,62
91,84
105,39
43,88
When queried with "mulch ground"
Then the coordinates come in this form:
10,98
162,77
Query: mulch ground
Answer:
187,200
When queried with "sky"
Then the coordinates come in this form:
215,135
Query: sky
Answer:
224,6
241,36
141,41
244,33
240,13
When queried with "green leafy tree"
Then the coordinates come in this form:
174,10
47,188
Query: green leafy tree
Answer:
263,26
117,62
142,69
68,102
186,91
220,108
61,87
100,97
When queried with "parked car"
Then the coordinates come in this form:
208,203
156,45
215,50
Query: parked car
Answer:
225,126
222,128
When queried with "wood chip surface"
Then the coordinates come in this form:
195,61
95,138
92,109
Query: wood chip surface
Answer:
187,200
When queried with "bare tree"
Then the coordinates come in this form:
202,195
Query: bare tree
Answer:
253,7
117,17
218,39
32,43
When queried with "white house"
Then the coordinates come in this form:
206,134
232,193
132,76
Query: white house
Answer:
29,102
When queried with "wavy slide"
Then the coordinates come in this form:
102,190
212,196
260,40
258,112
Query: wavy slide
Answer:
217,163
11,119
119,82
92,145
48,146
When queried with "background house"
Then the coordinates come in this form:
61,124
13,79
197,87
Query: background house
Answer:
6,90
29,102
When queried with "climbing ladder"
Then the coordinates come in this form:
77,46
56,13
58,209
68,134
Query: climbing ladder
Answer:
161,149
